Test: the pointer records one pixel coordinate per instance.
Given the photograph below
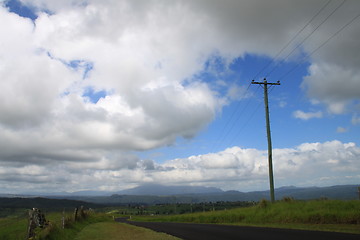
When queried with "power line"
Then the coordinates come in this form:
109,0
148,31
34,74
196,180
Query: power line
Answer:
293,38
320,46
266,66
307,37
238,117
246,123
233,113
231,121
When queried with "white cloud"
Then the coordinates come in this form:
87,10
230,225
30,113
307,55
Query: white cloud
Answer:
341,130
334,74
282,104
307,115
238,92
334,85
146,55
146,65
232,29
355,120
43,98
234,168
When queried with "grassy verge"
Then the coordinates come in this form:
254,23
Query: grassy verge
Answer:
119,231
327,215
56,232
95,226
13,228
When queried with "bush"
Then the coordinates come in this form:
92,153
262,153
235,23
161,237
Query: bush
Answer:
263,203
287,199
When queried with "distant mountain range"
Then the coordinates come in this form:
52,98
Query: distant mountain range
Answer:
146,189
159,194
161,190
43,203
343,192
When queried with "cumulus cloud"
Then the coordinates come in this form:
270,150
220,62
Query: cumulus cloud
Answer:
307,115
131,51
336,86
232,29
341,130
47,66
234,168
334,74
145,56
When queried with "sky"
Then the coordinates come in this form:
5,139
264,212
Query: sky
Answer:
107,95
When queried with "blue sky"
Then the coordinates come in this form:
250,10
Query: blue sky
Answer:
242,123
21,9
107,96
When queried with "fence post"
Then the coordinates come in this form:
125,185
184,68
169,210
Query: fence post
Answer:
75,214
63,219
31,226
82,213
36,219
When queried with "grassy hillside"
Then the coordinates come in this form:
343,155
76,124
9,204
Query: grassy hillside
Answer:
96,226
342,192
323,214
43,203
334,215
13,228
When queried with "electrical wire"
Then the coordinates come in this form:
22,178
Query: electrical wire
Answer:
246,123
230,121
228,131
304,59
293,38
306,38
230,124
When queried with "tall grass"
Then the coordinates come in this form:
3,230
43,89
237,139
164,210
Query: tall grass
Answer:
13,228
56,232
289,211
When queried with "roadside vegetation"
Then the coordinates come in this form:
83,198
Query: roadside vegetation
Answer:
13,228
178,208
95,226
328,215
324,215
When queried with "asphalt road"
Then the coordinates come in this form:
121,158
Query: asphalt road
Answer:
189,231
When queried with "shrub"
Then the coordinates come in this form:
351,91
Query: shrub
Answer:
287,199
263,203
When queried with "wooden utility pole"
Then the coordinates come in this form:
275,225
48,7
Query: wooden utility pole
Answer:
266,101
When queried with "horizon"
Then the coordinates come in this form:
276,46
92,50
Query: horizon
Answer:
108,95
105,193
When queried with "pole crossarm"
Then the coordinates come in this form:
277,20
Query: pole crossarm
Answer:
266,101
265,82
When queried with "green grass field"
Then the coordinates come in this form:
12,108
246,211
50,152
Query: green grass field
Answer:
13,228
324,215
95,227
329,215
